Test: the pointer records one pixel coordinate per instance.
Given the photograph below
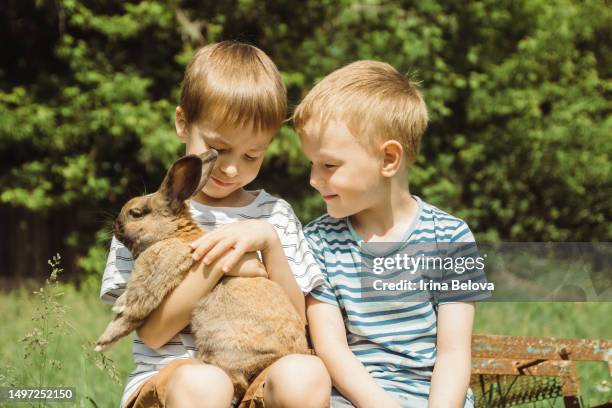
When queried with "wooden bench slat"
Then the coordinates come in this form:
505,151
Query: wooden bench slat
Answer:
546,348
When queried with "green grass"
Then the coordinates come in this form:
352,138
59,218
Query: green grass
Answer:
88,316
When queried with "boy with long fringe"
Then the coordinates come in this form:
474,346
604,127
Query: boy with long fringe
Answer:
232,100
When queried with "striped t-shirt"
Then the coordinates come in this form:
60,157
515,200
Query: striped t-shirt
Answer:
265,207
394,338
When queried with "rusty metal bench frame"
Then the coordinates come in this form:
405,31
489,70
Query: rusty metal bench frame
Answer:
538,356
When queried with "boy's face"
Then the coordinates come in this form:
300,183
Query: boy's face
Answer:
241,154
347,175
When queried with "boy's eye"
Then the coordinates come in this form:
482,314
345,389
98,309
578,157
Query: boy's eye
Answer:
250,158
218,149
330,166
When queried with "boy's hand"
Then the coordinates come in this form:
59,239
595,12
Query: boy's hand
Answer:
226,246
230,242
248,266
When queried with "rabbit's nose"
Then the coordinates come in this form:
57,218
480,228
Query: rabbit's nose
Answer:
118,228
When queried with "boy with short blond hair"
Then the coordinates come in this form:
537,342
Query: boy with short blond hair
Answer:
232,100
361,128
233,83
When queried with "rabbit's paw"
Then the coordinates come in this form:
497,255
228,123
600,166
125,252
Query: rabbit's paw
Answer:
119,305
116,329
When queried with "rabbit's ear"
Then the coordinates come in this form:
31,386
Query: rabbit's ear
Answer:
208,162
186,177
181,181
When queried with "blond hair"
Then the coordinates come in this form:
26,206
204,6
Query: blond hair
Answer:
374,100
231,83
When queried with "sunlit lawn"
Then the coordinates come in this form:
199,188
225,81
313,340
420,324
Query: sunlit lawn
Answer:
88,317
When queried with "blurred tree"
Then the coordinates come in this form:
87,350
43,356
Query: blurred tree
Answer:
518,91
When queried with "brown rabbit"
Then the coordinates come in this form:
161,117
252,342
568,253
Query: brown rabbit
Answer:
242,326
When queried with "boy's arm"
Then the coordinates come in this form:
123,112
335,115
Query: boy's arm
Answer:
451,375
174,312
250,236
279,271
348,375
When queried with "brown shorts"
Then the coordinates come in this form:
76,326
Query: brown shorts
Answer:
152,393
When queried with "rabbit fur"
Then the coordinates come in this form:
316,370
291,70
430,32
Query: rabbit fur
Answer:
242,326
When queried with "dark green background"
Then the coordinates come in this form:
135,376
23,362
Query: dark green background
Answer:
518,92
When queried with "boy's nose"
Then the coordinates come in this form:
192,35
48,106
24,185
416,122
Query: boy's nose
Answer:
315,181
230,170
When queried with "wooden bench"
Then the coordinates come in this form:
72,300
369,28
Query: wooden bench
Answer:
508,371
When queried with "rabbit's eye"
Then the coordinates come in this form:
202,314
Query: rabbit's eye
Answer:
136,213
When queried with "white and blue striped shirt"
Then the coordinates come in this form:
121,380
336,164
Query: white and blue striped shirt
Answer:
394,338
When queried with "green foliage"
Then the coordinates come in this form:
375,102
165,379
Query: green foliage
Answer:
519,142
49,324
56,347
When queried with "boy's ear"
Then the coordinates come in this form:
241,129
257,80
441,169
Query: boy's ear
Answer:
180,122
392,154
